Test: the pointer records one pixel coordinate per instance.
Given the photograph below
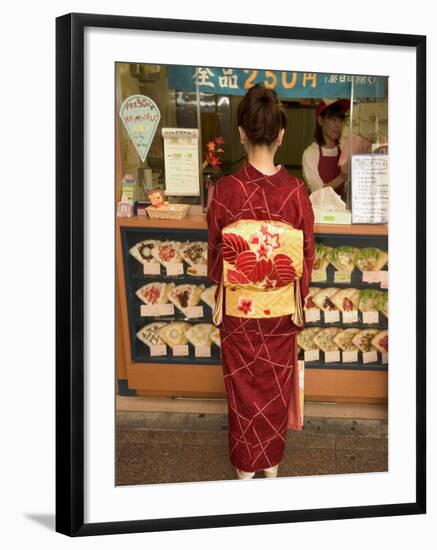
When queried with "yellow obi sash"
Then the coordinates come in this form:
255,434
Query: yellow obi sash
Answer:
262,265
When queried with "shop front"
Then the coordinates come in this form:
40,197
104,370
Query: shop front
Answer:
176,135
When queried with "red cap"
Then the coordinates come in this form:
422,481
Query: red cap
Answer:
322,106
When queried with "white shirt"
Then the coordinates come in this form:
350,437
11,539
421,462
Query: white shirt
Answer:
310,164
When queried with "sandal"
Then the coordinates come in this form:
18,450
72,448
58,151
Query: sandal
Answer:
271,472
244,475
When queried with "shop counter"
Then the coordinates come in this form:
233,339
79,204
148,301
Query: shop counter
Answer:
143,370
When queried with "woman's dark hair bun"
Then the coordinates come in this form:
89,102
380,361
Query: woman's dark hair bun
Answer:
261,115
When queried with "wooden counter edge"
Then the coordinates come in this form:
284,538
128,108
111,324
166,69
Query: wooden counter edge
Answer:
199,222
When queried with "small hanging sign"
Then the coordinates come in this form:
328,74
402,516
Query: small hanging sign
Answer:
140,116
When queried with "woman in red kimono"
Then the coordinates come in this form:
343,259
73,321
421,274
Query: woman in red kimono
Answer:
259,355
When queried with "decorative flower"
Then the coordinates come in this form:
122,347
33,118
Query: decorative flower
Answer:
263,251
215,161
268,284
245,305
213,148
273,240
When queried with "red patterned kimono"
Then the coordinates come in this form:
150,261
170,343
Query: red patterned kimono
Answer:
259,356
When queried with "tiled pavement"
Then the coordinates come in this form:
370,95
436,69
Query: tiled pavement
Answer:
167,447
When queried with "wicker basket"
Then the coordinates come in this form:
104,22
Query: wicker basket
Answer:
170,212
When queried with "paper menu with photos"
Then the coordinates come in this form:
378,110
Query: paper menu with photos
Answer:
181,153
370,189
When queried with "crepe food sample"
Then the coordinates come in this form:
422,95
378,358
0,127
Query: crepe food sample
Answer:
363,339
325,339
344,339
369,299
208,294
199,334
173,334
149,334
215,336
305,338
143,251
343,258
380,341
323,299
167,252
309,300
154,293
185,295
382,303
321,252
371,259
346,299
194,253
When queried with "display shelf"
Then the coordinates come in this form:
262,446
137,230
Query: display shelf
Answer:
352,229
199,222
346,366
190,222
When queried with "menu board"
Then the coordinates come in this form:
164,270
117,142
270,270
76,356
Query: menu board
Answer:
369,188
181,153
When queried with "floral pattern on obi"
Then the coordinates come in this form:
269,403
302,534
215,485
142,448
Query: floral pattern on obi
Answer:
245,305
255,255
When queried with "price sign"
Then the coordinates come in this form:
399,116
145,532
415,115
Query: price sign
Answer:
312,315
332,356
384,279
370,357
202,270
350,356
319,276
180,349
165,309
371,276
146,311
370,317
175,268
140,116
332,316
342,276
157,309
194,311
311,355
159,349
152,268
202,351
350,317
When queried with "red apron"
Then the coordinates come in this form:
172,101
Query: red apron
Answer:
329,169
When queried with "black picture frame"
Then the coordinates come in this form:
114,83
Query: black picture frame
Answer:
70,273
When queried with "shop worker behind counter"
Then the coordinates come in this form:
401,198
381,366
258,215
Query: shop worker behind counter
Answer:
260,254
320,159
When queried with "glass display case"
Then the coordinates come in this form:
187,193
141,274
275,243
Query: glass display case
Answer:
169,296
346,312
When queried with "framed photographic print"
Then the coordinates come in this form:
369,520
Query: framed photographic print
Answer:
240,227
